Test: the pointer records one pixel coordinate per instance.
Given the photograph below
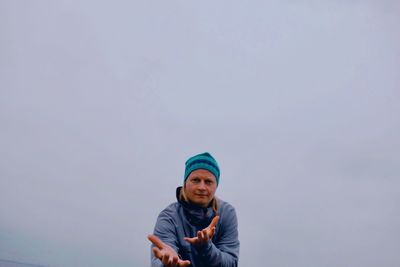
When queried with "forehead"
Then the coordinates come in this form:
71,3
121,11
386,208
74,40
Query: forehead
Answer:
201,173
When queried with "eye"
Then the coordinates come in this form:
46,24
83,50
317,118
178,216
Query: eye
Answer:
209,182
195,180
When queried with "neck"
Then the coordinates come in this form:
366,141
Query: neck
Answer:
182,197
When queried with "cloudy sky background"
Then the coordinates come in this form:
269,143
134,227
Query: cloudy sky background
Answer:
101,103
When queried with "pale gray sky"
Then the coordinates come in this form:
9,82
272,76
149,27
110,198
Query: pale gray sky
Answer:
101,103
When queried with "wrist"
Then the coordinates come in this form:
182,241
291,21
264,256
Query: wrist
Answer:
203,247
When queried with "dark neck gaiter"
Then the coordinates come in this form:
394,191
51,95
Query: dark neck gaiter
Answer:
198,216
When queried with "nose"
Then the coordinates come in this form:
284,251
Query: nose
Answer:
202,185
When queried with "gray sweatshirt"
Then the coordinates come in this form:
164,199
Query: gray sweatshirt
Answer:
181,219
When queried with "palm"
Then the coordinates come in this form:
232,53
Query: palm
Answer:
204,235
166,254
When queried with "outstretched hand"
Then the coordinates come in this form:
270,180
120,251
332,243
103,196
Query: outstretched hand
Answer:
166,254
204,235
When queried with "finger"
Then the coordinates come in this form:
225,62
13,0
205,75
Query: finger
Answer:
200,235
212,232
174,262
156,241
205,235
169,262
191,240
182,263
166,259
214,222
157,253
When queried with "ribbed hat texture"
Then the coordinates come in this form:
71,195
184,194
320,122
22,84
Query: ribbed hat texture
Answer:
202,161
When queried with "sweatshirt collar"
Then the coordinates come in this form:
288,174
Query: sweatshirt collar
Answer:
197,215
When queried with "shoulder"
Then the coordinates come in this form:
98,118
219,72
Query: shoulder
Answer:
167,218
171,211
225,206
226,210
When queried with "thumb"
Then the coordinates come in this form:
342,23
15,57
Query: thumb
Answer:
212,232
191,240
182,263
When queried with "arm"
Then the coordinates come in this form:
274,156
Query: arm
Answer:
164,244
165,231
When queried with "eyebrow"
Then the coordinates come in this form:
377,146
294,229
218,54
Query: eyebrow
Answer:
206,178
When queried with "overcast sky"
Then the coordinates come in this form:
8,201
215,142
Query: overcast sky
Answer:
102,102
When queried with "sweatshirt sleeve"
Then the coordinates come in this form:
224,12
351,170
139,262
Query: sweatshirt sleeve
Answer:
165,230
224,250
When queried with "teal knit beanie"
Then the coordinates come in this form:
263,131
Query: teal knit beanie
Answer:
202,161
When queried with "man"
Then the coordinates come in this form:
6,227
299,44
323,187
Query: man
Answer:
198,230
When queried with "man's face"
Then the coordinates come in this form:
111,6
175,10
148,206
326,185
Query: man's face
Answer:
200,187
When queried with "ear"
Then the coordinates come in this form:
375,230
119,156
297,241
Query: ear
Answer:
183,192
184,188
